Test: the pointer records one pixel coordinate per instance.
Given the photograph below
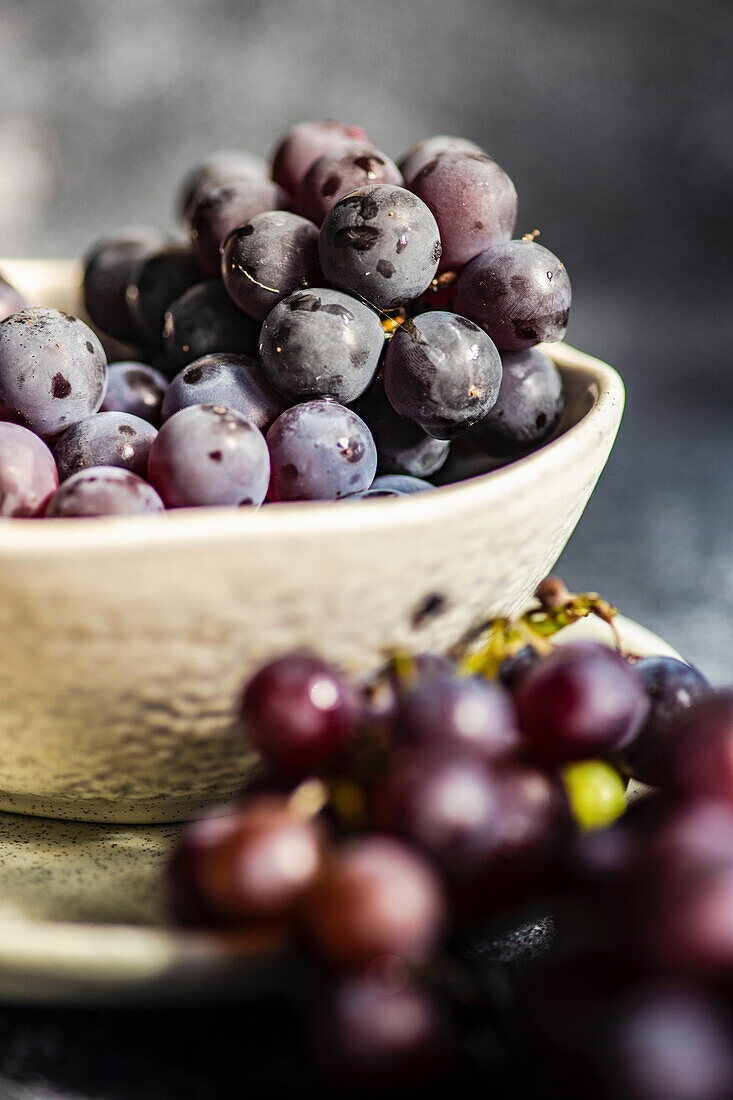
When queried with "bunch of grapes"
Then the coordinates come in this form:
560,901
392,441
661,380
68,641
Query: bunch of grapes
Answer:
388,817
329,326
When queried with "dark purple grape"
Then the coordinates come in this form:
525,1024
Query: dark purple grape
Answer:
518,292
337,174
698,758
137,389
11,301
528,407
443,372
221,207
380,243
581,701
107,439
28,474
461,712
512,670
208,455
204,320
236,381
374,897
320,451
268,258
402,484
299,713
109,267
428,149
402,446
154,284
217,168
671,686
186,902
474,203
104,491
321,343
303,144
53,371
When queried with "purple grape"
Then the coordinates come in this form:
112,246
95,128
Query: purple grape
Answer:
157,281
402,484
698,757
518,292
428,149
107,439
11,301
528,407
335,175
203,321
208,455
321,343
402,446
442,372
268,258
103,491
320,451
137,389
512,670
28,474
474,203
222,207
380,243
53,371
217,168
109,267
235,381
303,144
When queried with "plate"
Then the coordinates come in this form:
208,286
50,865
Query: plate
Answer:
82,918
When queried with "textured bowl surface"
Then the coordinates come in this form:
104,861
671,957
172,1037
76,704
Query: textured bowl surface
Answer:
123,642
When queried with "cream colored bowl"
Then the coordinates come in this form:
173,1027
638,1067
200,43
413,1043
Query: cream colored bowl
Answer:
123,642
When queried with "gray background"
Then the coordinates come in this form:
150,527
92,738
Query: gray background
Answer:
614,119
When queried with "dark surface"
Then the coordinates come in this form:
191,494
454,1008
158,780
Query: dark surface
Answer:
614,120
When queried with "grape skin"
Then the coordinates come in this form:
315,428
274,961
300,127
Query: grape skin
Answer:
320,451
428,149
235,381
204,320
53,370
28,474
528,407
319,343
402,445
11,301
218,167
208,455
103,491
268,258
158,280
107,439
221,208
297,149
109,267
135,388
335,175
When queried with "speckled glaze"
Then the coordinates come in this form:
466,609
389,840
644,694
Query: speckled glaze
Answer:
123,643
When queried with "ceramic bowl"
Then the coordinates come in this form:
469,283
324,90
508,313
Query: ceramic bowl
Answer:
123,642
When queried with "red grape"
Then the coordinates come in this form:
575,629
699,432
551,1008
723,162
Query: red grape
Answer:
303,144
28,473
699,748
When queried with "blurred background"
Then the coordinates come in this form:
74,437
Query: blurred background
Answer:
614,118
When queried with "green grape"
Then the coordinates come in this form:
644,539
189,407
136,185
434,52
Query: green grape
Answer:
596,793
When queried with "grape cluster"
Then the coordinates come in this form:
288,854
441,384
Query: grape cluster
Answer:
389,816
359,312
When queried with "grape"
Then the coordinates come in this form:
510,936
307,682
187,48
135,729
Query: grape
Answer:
268,258
442,372
236,381
204,834
137,389
582,700
104,491
303,144
401,484
109,267
699,748
28,474
474,203
157,281
337,174
299,713
320,451
428,149
216,169
402,446
10,300
319,343
518,292
465,713
513,669
380,243
528,407
222,207
53,371
208,455
107,439
374,897
596,791
203,321
671,686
